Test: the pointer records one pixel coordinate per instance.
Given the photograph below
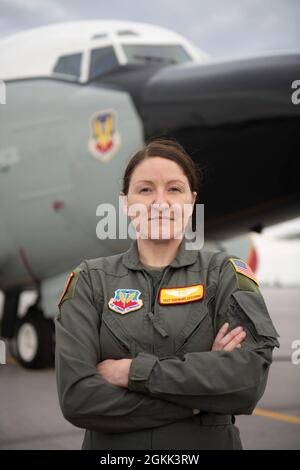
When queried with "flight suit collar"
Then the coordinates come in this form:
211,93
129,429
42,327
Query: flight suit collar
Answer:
183,257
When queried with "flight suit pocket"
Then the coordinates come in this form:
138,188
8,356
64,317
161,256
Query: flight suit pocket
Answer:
249,310
115,343
197,335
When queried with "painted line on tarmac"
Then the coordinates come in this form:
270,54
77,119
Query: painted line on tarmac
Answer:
276,415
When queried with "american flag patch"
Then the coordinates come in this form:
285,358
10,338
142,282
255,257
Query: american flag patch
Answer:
243,268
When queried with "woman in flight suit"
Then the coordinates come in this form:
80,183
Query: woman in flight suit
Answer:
160,346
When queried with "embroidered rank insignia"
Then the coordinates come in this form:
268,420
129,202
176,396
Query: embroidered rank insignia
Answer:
243,268
125,300
69,289
181,295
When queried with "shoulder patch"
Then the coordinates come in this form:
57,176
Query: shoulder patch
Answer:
69,289
242,268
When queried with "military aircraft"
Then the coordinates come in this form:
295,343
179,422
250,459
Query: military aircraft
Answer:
81,98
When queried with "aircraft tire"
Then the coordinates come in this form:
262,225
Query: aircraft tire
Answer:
34,340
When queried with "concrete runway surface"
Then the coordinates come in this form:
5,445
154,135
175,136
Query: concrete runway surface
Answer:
30,417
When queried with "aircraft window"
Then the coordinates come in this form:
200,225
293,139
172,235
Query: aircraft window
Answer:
69,65
102,60
99,36
146,53
126,32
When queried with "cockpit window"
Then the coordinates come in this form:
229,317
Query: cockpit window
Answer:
147,53
102,60
69,65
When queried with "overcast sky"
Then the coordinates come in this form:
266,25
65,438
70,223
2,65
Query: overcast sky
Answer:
223,28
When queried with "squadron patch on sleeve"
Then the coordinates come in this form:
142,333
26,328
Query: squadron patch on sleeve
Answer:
243,268
69,289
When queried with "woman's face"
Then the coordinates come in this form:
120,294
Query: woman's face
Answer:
159,200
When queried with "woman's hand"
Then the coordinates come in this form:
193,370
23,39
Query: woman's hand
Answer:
115,371
229,341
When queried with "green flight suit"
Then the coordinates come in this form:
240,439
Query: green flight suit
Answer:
173,369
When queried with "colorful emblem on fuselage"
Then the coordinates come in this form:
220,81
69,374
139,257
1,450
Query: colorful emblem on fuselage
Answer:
105,139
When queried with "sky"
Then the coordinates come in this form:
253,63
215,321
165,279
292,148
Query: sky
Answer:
222,28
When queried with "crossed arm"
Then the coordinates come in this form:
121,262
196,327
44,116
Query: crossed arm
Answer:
116,371
230,379
95,395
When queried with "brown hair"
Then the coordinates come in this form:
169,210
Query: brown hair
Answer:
170,149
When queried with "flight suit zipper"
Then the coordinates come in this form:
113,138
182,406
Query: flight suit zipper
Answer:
147,277
151,315
157,293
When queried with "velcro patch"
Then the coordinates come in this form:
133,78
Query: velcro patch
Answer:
243,268
125,301
181,295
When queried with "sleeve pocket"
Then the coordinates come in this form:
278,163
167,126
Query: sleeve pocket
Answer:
254,308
